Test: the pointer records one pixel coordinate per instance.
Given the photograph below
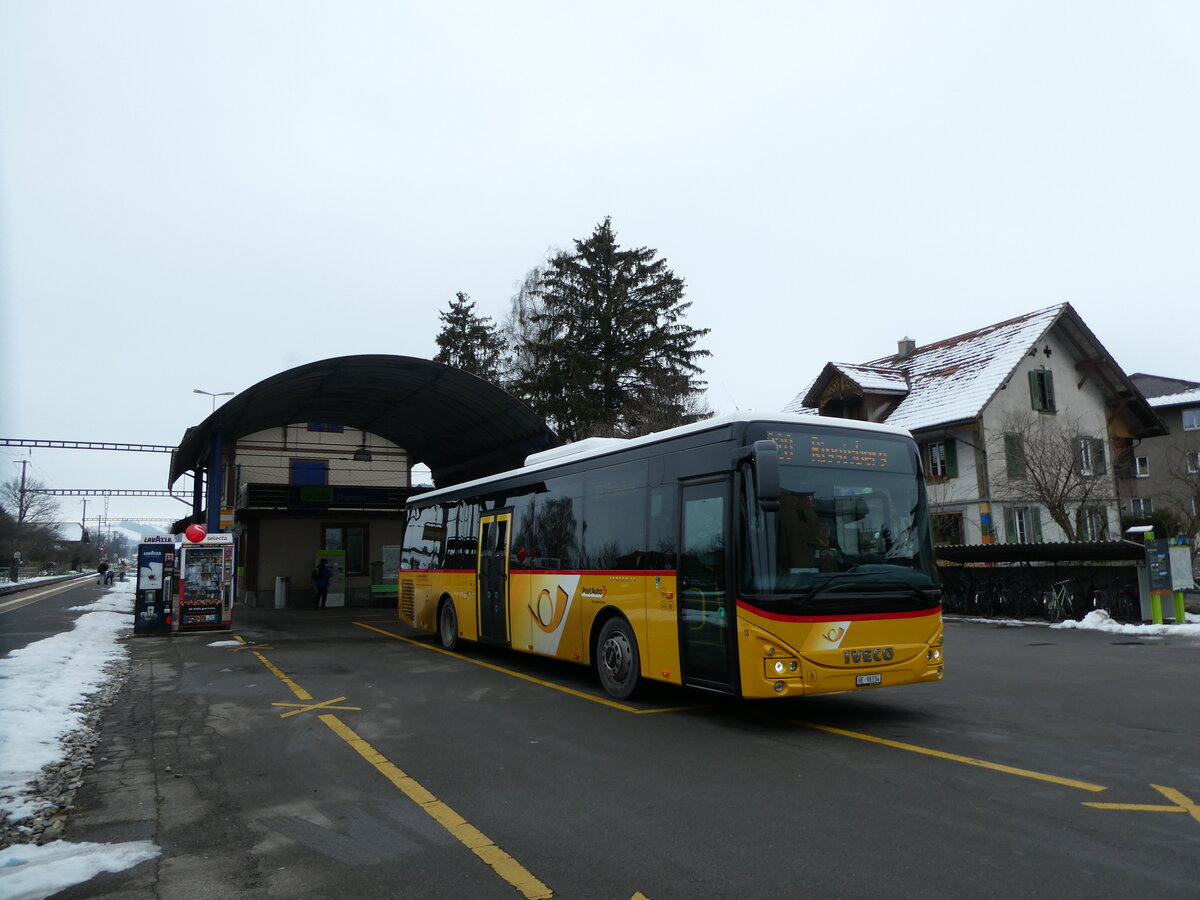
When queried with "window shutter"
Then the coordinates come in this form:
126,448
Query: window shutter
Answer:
1049,376
1035,523
1099,463
951,457
1010,526
1014,455
1034,400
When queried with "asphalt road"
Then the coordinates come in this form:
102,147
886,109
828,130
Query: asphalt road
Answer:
29,614
337,754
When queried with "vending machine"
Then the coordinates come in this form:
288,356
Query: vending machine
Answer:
204,600
152,613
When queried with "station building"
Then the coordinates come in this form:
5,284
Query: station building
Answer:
319,460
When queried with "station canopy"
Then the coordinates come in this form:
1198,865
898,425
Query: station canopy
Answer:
460,426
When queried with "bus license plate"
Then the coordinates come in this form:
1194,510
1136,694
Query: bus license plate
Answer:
868,679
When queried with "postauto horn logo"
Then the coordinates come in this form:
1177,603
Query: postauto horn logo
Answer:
549,613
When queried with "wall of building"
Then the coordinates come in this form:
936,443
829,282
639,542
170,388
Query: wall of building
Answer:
1168,485
286,545
265,456
1080,409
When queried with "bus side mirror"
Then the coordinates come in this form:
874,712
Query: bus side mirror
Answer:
766,471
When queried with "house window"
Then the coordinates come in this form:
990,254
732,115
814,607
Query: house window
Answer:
1191,419
1014,455
948,528
1091,457
1142,507
325,426
1022,524
1193,462
352,539
1142,466
941,459
309,471
1092,523
1041,390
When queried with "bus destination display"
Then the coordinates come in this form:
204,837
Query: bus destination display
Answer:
844,451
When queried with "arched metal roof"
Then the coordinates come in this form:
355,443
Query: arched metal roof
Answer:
459,425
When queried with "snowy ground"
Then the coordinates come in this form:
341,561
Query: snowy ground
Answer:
49,691
1099,620
45,690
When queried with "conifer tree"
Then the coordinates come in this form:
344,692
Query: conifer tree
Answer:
468,341
614,355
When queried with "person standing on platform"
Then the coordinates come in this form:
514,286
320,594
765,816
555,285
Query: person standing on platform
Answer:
321,576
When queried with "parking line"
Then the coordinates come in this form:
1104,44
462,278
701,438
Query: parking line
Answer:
467,834
604,701
954,757
1180,803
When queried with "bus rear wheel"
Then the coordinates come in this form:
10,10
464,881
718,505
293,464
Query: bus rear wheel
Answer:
617,658
448,625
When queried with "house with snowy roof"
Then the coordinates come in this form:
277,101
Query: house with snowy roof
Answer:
1166,485
1024,426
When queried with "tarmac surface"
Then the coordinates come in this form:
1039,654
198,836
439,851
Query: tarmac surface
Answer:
213,753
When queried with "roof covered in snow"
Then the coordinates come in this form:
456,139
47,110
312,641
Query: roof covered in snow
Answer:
1184,398
953,380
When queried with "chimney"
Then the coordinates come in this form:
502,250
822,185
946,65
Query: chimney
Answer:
905,348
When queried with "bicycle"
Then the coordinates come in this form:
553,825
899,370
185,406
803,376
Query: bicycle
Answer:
1056,602
1118,603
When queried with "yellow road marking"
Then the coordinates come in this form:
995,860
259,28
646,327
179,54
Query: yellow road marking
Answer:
911,748
301,693
954,757
603,701
1181,803
470,836
306,707
248,646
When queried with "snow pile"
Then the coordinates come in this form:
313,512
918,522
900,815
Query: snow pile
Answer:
52,693
44,693
1099,620
31,872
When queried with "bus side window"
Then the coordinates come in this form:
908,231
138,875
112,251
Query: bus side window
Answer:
660,537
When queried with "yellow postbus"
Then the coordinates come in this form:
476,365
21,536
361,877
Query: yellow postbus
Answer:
757,556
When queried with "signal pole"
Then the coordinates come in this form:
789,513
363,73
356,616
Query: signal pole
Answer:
16,563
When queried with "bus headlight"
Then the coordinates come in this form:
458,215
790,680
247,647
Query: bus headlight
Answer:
785,667
934,654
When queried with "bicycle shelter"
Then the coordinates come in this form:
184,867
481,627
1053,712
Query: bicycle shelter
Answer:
1018,575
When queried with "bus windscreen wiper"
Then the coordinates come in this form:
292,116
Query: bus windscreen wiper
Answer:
820,586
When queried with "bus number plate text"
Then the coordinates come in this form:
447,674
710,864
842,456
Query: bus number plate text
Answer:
862,680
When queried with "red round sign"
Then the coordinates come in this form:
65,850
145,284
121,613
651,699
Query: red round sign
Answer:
195,533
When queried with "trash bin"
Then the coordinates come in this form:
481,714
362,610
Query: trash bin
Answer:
283,587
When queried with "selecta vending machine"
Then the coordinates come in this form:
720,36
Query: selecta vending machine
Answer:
204,601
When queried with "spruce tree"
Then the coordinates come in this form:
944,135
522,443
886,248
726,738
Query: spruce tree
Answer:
468,341
614,355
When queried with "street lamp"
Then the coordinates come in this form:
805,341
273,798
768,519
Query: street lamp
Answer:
214,396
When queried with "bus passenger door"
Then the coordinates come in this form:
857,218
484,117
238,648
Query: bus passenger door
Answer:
492,577
705,618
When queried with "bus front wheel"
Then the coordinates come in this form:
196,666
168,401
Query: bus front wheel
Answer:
448,625
617,658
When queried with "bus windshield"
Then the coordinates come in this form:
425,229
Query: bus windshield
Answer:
852,518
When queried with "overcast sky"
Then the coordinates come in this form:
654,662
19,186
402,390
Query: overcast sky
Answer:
201,195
